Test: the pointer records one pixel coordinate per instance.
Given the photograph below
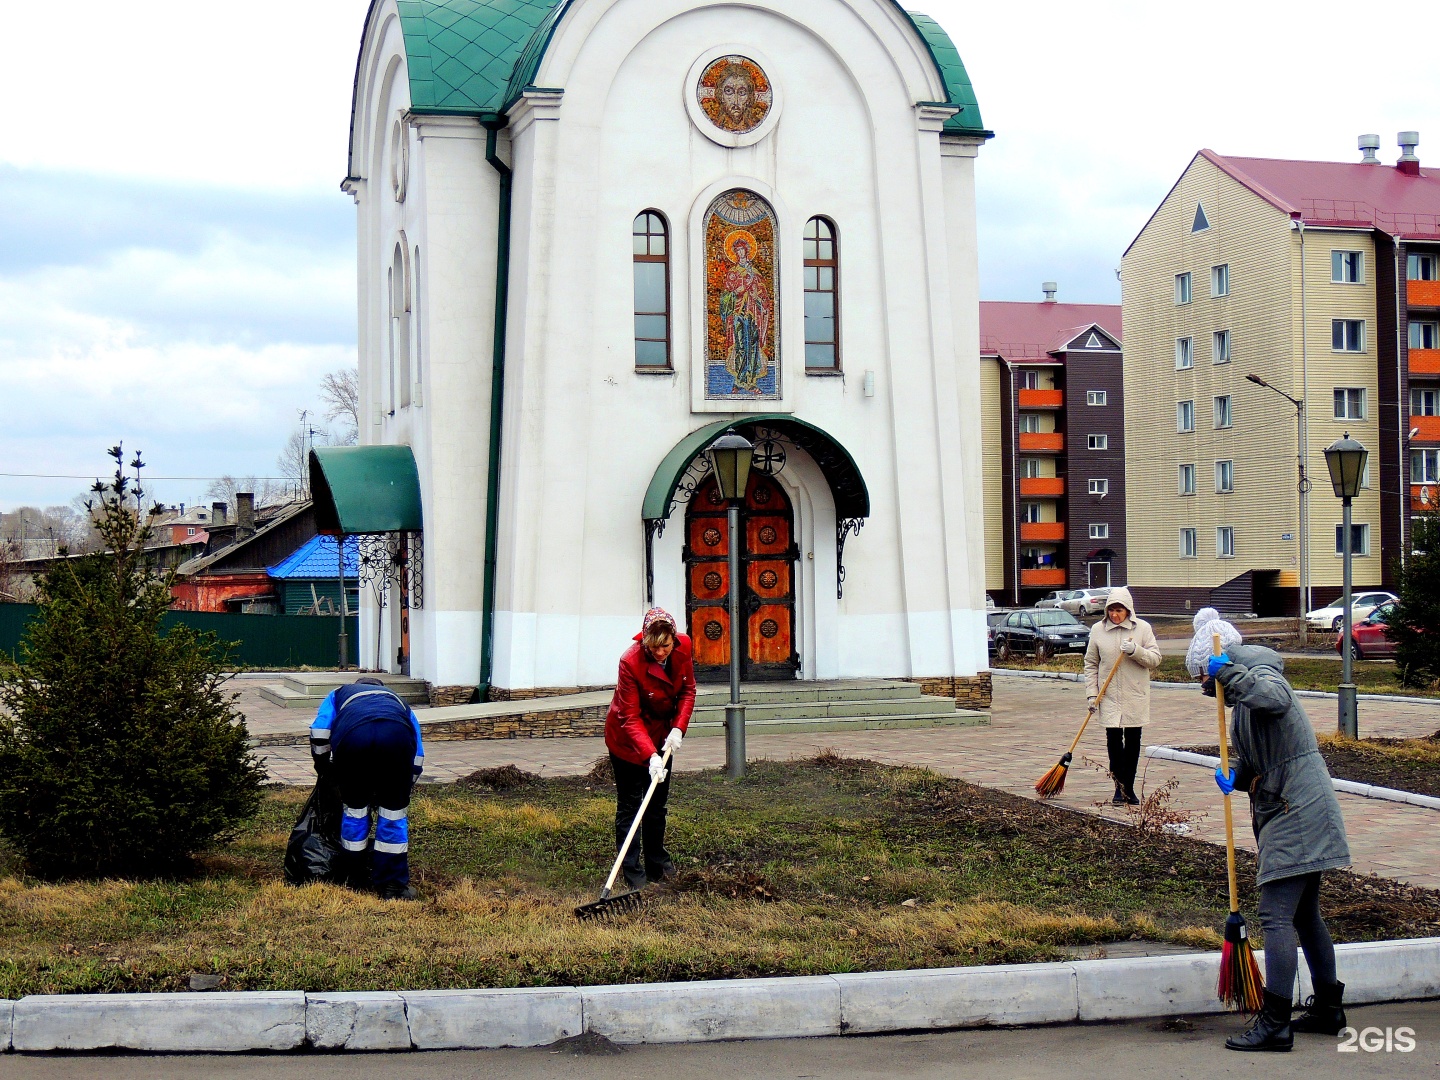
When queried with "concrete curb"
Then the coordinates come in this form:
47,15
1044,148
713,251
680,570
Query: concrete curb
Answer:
1059,676
7,1016
808,1006
1349,787
1395,698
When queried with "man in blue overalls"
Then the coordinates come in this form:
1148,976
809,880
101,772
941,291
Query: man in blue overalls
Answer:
371,739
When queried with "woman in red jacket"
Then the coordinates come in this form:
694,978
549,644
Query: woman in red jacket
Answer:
654,697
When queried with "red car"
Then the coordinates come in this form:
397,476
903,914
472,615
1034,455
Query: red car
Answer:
1367,637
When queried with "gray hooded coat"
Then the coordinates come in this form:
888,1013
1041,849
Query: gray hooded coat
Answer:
1298,827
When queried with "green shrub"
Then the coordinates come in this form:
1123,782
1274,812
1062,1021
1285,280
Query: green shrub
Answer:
1414,626
120,754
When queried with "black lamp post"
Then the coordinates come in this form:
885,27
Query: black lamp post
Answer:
1303,535
1346,460
730,461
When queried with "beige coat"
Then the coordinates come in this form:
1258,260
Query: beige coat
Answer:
1127,702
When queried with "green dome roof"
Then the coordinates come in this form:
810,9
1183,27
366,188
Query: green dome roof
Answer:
475,57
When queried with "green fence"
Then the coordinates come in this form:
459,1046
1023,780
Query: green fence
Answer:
261,641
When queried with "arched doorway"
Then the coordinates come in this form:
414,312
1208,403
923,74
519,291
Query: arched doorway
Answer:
767,586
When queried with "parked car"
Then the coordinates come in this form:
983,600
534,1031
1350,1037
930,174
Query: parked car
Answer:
1330,618
1367,637
1056,599
1042,632
1086,601
992,620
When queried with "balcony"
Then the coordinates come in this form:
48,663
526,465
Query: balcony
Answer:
1425,498
1425,361
1423,293
1042,487
1047,579
1042,399
1429,429
1048,532
1042,442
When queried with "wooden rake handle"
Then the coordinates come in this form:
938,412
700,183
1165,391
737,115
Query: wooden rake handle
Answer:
1096,708
1216,650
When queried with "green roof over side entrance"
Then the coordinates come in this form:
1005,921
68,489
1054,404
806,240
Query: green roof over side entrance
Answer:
476,57
365,489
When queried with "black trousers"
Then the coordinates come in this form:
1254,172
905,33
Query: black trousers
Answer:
1290,916
631,783
1124,747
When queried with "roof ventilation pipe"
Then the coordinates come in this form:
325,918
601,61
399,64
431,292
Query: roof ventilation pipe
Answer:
1369,148
1049,288
1409,162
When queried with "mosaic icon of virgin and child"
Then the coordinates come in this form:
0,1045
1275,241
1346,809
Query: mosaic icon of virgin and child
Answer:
746,313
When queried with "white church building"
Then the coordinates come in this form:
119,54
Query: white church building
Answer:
595,234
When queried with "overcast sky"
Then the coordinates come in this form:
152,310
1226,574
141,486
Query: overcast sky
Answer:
177,261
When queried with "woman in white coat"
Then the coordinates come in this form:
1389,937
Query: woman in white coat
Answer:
1119,638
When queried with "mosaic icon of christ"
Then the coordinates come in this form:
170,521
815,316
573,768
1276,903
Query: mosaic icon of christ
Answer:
735,94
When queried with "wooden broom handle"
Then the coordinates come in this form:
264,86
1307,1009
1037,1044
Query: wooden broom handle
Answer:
1098,698
1216,650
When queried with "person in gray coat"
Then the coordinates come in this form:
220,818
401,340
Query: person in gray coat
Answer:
1299,834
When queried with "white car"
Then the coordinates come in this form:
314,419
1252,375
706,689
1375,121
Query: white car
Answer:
1086,601
1330,618
1056,599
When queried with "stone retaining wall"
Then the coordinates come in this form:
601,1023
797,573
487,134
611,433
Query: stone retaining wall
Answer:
499,693
969,691
547,724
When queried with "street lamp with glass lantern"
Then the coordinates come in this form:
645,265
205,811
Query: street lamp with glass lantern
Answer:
730,457
1346,460
1303,537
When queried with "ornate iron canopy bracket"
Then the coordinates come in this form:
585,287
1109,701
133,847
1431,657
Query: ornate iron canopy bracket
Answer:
843,528
393,557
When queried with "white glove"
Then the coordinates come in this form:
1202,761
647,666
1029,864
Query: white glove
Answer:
1090,704
657,769
1128,646
672,741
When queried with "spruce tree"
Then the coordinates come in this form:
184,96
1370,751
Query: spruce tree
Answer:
121,754
1414,625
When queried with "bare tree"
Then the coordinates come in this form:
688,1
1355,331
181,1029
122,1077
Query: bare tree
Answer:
292,462
340,391
14,583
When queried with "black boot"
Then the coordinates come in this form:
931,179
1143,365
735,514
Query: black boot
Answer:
1119,797
1130,797
1323,1014
1270,1030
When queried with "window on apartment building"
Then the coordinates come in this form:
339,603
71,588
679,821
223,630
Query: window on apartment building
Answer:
1184,353
1347,335
1424,335
1030,512
1096,397
1220,346
1099,487
1222,411
1346,267
1220,280
1187,479
822,296
1225,542
1425,466
1100,532
1184,416
1349,403
1224,477
1029,468
652,290
1030,423
1029,380
1359,539
1422,267
1097,442
1187,543
1424,402
1182,288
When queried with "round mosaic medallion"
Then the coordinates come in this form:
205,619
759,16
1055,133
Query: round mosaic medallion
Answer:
713,630
711,537
713,580
713,498
769,579
734,94
769,628
767,534
761,495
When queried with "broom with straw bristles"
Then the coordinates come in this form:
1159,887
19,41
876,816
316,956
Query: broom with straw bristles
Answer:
1053,782
1241,985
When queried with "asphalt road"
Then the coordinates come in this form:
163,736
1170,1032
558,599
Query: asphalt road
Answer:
1130,1051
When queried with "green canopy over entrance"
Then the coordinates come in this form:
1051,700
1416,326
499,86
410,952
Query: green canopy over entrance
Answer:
852,498
365,489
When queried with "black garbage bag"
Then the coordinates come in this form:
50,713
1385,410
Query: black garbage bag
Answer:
313,853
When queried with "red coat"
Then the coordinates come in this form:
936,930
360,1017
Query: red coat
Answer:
650,700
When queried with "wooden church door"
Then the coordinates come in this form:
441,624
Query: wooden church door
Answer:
767,587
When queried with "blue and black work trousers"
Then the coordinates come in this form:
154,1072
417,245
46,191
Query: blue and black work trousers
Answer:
374,768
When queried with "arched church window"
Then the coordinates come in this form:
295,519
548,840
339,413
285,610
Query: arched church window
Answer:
652,291
822,296
399,331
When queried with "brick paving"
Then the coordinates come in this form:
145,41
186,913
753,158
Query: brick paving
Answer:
1033,721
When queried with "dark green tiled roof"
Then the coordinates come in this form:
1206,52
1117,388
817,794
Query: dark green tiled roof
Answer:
475,57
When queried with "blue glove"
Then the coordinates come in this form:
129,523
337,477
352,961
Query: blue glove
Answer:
1223,782
1216,663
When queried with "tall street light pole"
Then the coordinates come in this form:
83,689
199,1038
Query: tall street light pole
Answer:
1303,486
730,457
1346,461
